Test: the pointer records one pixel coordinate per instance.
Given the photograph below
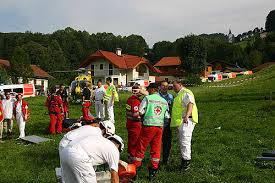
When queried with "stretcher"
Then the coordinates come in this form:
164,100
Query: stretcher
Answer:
34,139
267,156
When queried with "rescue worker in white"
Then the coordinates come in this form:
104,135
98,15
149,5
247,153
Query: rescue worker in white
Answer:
79,157
104,128
8,104
98,98
184,117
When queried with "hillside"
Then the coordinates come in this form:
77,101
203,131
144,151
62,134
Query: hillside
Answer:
236,124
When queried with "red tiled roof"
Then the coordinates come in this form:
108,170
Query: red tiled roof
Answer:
122,62
39,73
263,66
5,63
168,61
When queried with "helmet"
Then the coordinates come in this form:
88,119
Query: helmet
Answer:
119,140
109,127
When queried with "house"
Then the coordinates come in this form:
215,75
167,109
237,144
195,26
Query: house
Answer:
40,77
122,68
220,64
168,68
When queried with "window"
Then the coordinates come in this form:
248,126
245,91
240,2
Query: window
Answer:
18,90
101,66
111,69
92,70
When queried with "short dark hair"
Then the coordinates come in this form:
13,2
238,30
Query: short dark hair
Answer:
109,79
178,82
99,81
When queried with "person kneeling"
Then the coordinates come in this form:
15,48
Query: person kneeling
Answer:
79,157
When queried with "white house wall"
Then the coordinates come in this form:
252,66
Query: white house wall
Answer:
123,75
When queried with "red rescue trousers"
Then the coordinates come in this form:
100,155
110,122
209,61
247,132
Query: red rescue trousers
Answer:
133,128
149,135
85,110
55,123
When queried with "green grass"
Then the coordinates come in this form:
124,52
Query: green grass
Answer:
243,112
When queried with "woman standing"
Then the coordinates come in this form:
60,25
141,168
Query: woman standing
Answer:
21,114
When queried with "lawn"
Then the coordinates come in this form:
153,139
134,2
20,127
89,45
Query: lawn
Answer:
243,114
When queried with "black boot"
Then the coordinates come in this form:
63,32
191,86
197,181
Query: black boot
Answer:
152,173
185,164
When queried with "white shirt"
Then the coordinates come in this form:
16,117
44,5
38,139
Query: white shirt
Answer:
99,93
100,150
82,131
8,107
186,99
18,109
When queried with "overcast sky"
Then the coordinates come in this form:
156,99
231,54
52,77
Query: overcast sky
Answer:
155,20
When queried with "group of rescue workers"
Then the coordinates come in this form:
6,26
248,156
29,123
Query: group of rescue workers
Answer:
57,103
11,108
149,122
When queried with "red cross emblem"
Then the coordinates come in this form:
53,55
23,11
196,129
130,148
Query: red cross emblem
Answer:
157,110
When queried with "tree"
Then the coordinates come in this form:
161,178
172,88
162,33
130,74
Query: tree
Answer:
38,55
270,21
255,59
4,78
192,51
20,65
136,45
161,49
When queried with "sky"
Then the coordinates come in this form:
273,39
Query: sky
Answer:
155,20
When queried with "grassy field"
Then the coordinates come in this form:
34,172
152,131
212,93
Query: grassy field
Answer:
244,114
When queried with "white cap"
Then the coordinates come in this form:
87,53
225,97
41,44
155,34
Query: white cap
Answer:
119,140
109,127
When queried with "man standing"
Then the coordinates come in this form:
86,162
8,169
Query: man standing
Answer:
133,121
21,113
184,117
8,103
153,110
79,157
98,97
64,96
109,99
86,103
166,136
55,107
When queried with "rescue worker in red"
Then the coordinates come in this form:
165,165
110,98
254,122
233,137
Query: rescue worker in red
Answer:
64,96
133,121
55,107
154,111
86,103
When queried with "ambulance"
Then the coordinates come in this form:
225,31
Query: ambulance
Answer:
142,82
28,90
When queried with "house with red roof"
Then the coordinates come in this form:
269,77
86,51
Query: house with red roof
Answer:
40,77
122,68
169,69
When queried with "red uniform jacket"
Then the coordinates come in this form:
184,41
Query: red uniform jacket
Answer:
132,109
25,110
54,103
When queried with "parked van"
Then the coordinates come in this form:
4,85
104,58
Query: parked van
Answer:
142,82
27,90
